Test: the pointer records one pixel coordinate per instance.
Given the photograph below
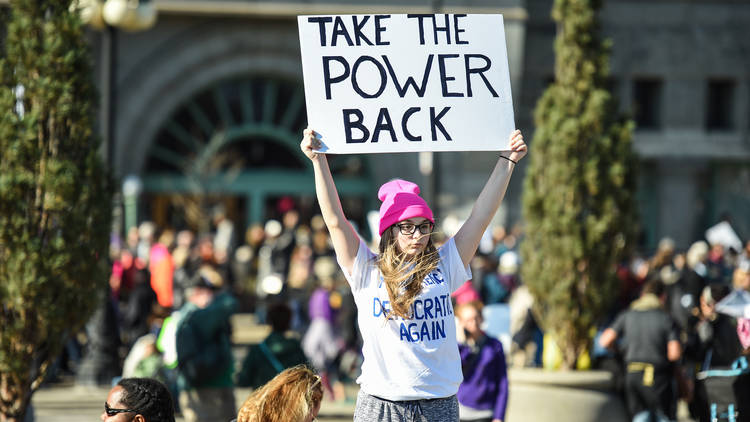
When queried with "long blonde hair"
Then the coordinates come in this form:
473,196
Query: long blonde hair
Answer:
291,396
403,277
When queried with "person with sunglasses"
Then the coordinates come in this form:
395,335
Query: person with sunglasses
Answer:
138,400
411,368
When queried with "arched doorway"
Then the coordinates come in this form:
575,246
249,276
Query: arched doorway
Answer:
236,143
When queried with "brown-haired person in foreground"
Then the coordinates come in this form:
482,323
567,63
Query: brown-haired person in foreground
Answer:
292,396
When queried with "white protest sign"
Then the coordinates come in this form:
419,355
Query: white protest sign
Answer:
724,234
398,83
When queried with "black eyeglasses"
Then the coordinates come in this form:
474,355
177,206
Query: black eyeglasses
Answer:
111,412
408,229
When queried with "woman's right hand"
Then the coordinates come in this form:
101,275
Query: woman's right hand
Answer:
309,144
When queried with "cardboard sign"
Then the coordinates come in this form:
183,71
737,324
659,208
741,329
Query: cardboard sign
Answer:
398,83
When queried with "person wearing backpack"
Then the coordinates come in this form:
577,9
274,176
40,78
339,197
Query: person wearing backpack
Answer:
274,354
204,355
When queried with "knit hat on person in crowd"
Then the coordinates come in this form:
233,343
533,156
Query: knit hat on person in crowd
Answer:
401,201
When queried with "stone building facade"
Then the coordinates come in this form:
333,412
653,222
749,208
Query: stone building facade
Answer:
210,101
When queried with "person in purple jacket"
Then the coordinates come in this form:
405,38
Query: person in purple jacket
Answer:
320,342
483,395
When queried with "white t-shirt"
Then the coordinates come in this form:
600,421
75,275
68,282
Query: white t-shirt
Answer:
415,358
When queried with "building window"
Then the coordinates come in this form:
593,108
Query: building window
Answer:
720,104
647,94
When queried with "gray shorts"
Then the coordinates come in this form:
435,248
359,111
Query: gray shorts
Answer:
370,409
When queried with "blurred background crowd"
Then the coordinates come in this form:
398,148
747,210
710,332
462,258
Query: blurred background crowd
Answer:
284,273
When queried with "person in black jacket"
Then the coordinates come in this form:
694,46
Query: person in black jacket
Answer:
138,309
651,346
204,352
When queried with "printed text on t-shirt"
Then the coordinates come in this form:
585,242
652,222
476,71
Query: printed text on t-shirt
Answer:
427,321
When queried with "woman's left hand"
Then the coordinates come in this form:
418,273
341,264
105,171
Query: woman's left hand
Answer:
518,148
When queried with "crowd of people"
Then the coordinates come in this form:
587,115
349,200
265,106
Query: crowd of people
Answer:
182,280
339,312
671,328
173,296
186,281
312,321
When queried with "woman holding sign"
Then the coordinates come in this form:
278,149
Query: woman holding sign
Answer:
411,368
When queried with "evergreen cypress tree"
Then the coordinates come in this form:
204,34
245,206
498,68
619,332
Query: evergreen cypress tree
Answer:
54,195
578,196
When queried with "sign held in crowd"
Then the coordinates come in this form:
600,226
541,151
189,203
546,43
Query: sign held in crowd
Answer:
399,83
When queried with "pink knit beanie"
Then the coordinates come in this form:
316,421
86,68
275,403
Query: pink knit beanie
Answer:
401,201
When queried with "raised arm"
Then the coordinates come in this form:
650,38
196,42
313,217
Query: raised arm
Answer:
468,237
345,240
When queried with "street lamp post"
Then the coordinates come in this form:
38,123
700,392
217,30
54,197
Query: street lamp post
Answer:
109,71
97,366
109,16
